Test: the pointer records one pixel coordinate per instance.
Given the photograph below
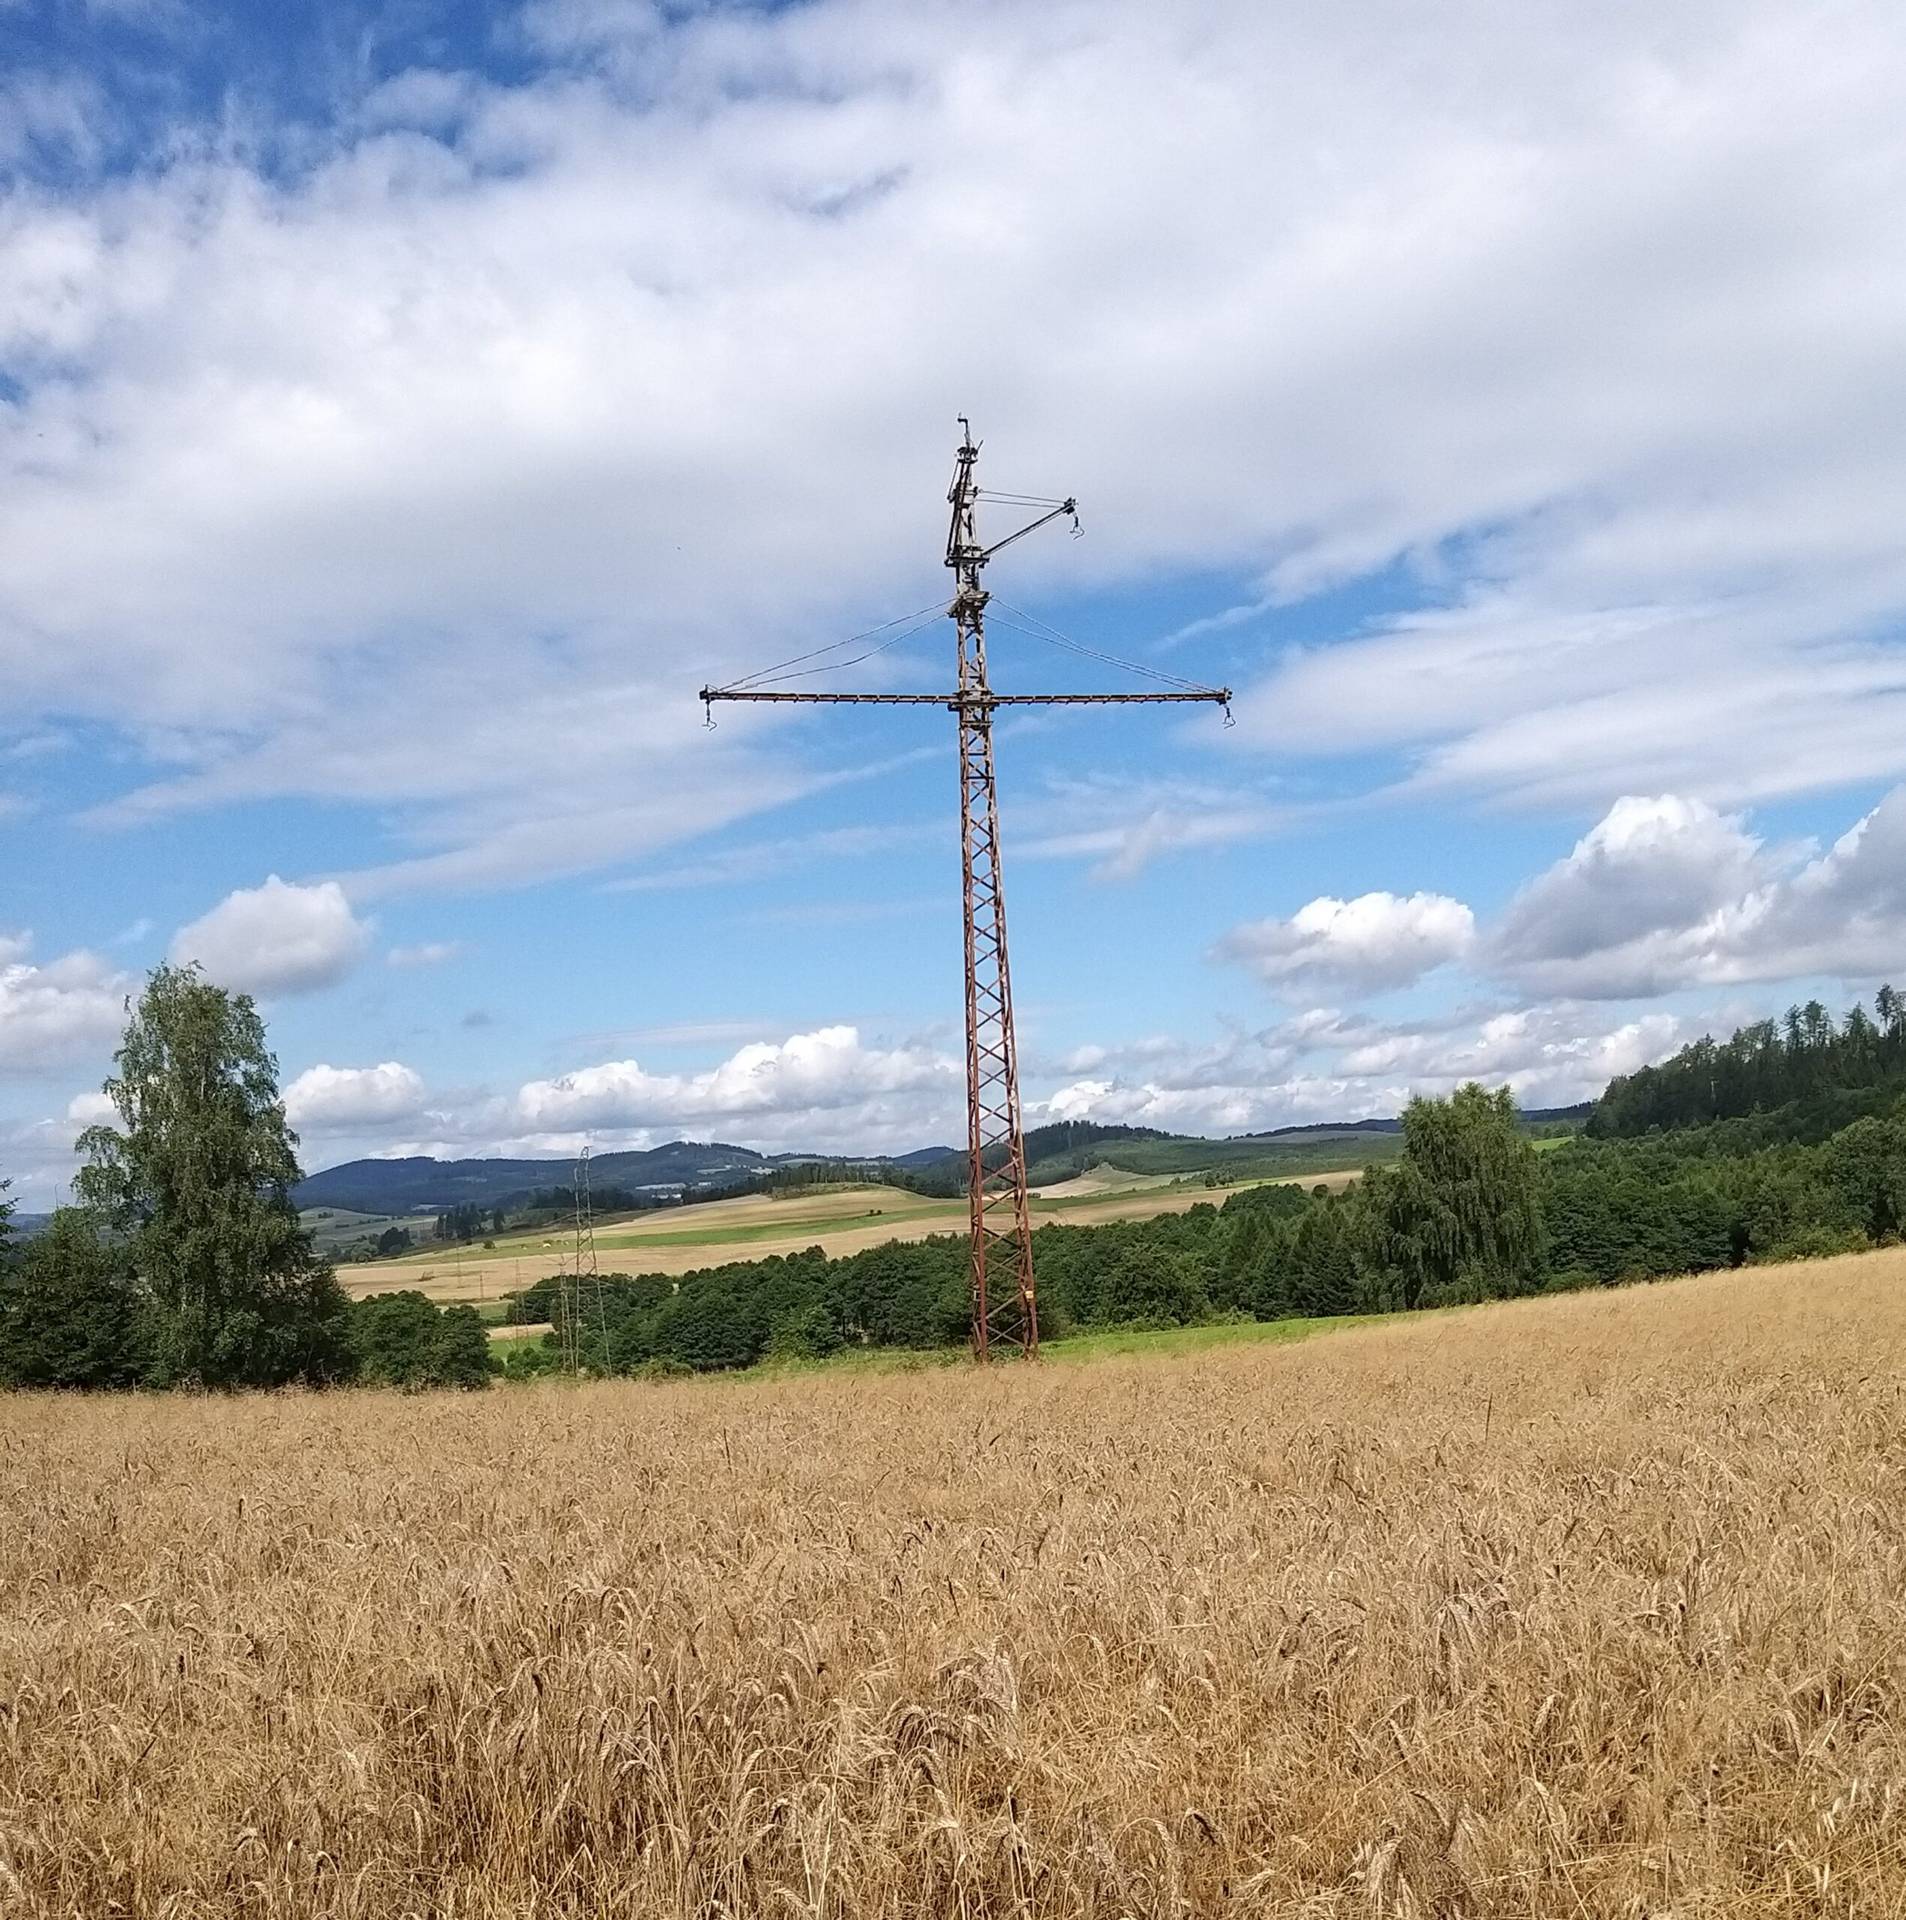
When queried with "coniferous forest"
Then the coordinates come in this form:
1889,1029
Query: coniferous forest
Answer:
184,1263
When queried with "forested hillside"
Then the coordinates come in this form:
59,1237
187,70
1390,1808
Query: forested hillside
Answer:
419,1184
1818,1074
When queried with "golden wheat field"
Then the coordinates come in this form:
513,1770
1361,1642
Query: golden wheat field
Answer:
1586,1606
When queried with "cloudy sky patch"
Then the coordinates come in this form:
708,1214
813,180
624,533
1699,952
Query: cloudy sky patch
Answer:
405,416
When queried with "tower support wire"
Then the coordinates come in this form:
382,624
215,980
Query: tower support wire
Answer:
1005,1307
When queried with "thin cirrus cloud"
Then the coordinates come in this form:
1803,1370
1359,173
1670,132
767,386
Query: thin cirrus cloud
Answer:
427,953
1123,824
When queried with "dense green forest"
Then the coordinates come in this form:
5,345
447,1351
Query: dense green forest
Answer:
1814,1074
185,1263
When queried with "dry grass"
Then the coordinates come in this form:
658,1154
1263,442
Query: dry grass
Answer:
1594,1606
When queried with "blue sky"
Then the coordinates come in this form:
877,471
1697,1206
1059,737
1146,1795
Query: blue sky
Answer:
404,410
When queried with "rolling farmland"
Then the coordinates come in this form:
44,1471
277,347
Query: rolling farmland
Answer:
1592,1604
754,1226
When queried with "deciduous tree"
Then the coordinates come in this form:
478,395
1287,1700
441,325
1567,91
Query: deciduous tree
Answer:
460,1351
196,1180
1459,1214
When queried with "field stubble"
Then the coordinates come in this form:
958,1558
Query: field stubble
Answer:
1593,1605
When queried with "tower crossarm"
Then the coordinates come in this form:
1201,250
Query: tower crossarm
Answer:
953,702
1065,510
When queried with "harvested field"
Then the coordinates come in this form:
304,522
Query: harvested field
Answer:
1100,1180
533,1332
1592,1605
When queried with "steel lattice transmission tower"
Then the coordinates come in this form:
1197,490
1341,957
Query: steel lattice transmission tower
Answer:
586,1259
1005,1298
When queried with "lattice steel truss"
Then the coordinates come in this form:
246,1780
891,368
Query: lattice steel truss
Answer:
1004,1298
1001,1235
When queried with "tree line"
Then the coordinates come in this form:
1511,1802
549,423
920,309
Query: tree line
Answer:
1469,1211
1820,1073
184,1262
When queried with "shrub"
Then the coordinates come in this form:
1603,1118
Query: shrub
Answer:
803,1333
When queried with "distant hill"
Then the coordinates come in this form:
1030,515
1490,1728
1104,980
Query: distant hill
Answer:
420,1184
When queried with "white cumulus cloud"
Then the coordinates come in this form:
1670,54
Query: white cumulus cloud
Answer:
92,1110
1665,893
828,1082
333,1098
60,1012
278,938
1638,906
1376,941
1325,1065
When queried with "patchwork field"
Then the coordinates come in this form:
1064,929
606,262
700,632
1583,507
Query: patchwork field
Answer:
335,1227
838,1220
1587,1605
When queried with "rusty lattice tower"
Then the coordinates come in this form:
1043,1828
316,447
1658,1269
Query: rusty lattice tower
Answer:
1004,1294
